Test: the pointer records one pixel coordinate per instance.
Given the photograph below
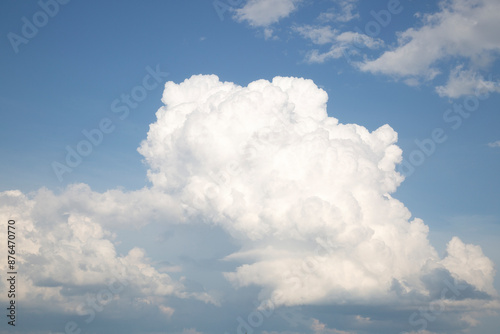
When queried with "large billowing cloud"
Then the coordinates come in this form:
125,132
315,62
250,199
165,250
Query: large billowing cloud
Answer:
308,197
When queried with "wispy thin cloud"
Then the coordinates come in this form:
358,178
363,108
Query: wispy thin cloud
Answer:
494,144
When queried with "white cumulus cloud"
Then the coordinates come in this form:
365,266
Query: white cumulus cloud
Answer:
66,253
467,262
309,198
462,29
466,82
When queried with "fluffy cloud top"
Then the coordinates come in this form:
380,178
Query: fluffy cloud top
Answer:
459,260
308,197
462,28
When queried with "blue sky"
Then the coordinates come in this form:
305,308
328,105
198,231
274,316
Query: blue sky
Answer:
411,70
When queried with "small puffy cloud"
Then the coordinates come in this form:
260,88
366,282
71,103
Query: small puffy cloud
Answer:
262,13
466,82
467,262
320,328
268,33
362,320
462,29
190,331
168,311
